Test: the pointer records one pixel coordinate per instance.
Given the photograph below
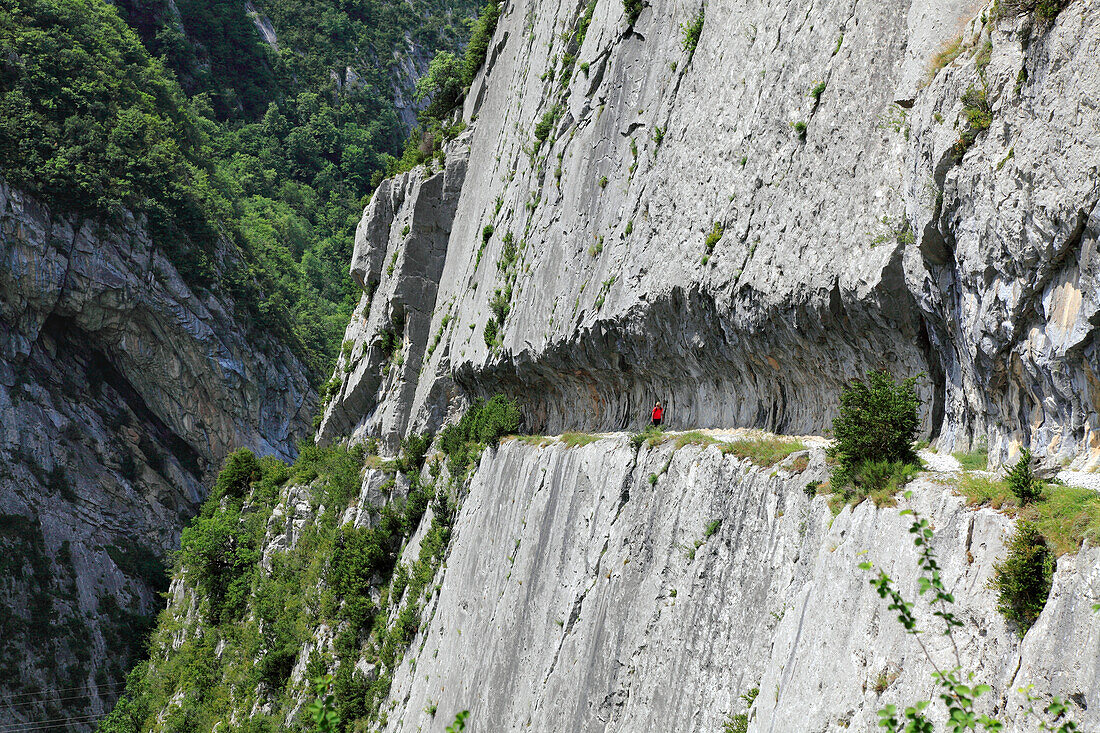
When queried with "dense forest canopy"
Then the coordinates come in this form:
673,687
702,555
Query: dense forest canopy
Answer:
183,114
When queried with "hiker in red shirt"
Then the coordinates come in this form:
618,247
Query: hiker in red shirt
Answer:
658,414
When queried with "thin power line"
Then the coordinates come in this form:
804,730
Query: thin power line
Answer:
42,693
57,723
42,702
32,725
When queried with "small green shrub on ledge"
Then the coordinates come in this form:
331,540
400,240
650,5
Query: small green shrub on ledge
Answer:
691,32
1023,579
632,8
238,473
483,424
874,433
650,435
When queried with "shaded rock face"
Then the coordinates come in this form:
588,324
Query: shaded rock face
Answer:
855,232
121,390
578,596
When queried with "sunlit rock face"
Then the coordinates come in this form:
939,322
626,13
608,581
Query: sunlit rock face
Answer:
822,142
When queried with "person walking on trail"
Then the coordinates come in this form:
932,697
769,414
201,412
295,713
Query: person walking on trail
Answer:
658,414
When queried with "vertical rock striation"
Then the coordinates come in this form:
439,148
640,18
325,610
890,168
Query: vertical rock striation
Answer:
579,596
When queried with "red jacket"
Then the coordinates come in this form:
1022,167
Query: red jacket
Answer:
658,413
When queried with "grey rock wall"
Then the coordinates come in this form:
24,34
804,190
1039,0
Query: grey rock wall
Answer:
863,242
400,249
121,390
578,596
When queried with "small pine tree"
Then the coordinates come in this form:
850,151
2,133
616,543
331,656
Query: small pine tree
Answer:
1022,480
878,420
1024,577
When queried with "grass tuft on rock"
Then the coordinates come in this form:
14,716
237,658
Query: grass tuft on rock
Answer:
763,451
1065,515
976,459
574,439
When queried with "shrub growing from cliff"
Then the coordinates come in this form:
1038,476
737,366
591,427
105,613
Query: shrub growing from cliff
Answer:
632,8
481,34
546,124
442,85
238,473
1023,482
414,447
651,435
221,550
1023,579
1030,572
690,33
979,116
339,469
874,433
481,425
1045,10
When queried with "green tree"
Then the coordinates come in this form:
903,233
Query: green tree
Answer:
877,421
222,554
442,85
323,708
1023,579
238,473
1022,479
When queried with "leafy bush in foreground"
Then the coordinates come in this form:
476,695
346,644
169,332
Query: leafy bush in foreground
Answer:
958,692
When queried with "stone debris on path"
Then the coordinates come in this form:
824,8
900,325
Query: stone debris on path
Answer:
1081,479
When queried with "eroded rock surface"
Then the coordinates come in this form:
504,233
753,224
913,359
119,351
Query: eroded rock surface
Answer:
579,596
856,230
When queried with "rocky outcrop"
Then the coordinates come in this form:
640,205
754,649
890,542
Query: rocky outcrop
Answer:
121,389
740,227
1004,263
580,595
400,250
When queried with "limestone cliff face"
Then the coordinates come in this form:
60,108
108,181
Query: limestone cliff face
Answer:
613,588
856,229
121,389
579,596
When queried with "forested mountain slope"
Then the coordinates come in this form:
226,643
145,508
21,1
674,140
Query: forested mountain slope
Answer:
179,183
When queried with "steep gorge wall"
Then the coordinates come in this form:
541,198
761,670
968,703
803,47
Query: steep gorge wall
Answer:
121,390
866,241
607,587
578,596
